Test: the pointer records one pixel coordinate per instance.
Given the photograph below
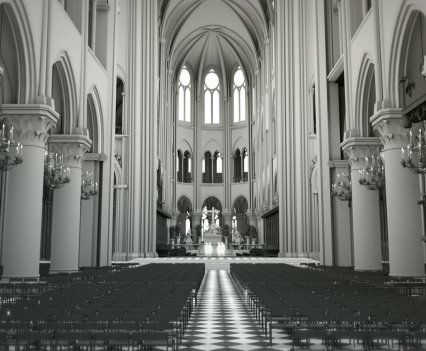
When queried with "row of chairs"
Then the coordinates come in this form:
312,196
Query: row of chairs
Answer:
308,303
143,305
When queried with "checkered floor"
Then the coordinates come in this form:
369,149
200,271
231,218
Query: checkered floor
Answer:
222,322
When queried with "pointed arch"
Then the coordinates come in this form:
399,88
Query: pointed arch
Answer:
65,93
23,52
365,96
95,120
401,42
184,204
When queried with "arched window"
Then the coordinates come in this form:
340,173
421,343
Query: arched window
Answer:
184,95
245,165
211,98
207,167
217,168
119,95
237,166
187,178
239,92
179,166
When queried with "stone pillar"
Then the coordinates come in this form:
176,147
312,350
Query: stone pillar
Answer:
365,207
260,229
24,190
402,192
227,220
196,221
142,102
66,204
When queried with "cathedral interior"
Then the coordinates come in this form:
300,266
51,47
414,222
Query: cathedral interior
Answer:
256,168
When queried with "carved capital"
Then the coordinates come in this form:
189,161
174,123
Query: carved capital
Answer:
389,124
72,147
357,149
30,123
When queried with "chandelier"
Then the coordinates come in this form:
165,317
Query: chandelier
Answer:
414,154
342,188
89,187
373,174
56,175
10,152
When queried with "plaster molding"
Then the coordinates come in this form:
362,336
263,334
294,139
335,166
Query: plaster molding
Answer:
31,123
72,147
357,149
95,157
389,124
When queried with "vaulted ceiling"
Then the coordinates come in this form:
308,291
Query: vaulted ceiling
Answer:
214,33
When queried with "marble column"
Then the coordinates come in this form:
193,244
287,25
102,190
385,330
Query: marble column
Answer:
24,190
66,204
402,192
365,206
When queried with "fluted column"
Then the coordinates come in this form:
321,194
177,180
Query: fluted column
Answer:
402,192
365,207
66,204
24,190
143,71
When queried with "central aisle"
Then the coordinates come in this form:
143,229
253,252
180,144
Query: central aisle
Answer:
221,320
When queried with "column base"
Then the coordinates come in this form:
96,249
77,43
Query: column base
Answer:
58,271
151,254
10,279
282,254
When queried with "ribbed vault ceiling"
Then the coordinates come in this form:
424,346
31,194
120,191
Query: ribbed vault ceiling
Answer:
214,33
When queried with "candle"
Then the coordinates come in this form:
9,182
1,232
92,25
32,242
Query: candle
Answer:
11,134
2,131
403,153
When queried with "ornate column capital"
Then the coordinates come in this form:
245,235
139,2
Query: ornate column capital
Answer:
72,147
389,124
30,123
356,149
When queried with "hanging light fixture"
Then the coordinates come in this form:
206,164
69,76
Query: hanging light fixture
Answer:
373,174
56,175
423,58
342,188
10,151
89,187
414,154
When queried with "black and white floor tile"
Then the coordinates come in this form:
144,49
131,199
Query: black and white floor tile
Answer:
222,321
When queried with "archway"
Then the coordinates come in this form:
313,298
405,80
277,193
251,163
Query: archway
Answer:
240,208
211,202
184,219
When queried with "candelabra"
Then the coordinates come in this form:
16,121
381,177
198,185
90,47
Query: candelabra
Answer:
373,174
342,188
414,154
10,151
56,175
89,187
414,158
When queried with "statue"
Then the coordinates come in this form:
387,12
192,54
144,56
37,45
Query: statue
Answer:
237,238
188,240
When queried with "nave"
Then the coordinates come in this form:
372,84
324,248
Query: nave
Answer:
222,320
